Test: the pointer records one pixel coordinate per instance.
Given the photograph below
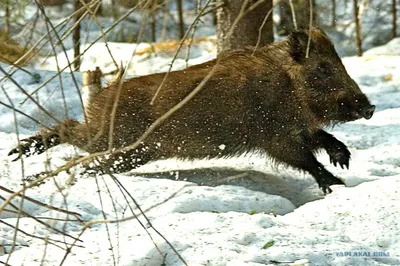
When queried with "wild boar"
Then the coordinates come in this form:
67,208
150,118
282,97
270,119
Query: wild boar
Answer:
274,100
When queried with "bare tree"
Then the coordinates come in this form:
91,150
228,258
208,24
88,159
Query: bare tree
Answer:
246,32
286,19
333,22
394,21
358,28
51,2
302,15
76,37
180,17
7,19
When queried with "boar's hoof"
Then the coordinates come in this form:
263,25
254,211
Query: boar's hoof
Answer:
20,150
35,145
325,183
339,154
28,147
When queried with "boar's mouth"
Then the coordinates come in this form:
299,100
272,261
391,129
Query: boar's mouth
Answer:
356,110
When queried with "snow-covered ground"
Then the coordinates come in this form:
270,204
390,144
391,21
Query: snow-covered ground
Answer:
248,212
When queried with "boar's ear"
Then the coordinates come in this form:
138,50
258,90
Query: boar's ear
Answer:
298,45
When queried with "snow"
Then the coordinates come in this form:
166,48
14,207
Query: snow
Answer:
246,210
391,48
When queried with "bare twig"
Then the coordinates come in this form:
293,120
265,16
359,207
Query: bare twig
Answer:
92,13
230,178
23,173
192,36
44,205
24,114
309,29
263,24
147,219
293,14
37,237
121,81
29,96
105,218
176,54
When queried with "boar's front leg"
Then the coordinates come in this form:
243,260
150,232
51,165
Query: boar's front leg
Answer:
323,177
337,150
298,155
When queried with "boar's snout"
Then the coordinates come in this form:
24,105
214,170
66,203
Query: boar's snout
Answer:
368,112
354,107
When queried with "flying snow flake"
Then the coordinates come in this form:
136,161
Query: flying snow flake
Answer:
222,147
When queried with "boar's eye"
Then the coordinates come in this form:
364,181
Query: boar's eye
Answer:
324,69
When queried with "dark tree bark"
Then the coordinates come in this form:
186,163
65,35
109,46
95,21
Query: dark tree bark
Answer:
76,36
333,23
394,21
153,22
180,18
302,13
7,18
246,31
358,28
286,20
51,2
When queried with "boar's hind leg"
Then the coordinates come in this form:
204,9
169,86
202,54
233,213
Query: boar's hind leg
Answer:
35,145
44,140
121,161
303,159
337,150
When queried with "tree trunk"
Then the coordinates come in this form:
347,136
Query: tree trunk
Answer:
302,16
180,19
214,13
358,28
302,9
153,22
394,21
76,37
333,23
7,22
246,31
286,21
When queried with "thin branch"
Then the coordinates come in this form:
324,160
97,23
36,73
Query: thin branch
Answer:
293,14
211,10
192,36
177,52
147,219
57,64
23,173
263,24
29,96
309,28
44,205
120,83
105,218
38,237
60,24
92,13
24,114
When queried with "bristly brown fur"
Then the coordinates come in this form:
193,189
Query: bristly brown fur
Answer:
274,100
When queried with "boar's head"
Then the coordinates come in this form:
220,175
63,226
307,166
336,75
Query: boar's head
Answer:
324,85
